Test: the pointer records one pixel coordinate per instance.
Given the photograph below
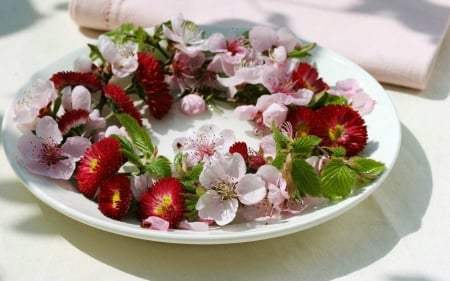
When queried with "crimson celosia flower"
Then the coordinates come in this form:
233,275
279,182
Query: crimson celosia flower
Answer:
122,100
340,126
114,196
164,200
72,78
98,163
306,76
72,119
150,76
300,119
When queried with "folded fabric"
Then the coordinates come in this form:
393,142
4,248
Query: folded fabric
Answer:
397,41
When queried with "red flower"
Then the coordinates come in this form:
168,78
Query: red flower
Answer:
72,78
252,159
164,200
340,126
98,163
150,76
114,197
72,120
306,76
300,119
241,148
122,100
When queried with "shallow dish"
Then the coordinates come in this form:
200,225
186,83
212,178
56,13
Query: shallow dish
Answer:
384,135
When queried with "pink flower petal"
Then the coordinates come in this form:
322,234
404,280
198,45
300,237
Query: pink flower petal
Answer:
156,223
251,189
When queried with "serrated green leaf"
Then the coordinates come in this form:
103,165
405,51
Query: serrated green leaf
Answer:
305,145
305,178
159,166
366,167
138,135
281,139
279,160
127,150
95,53
337,151
337,179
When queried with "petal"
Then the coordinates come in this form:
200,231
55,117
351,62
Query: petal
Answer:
245,112
48,130
269,174
228,214
81,98
262,38
209,205
66,98
156,223
251,189
76,146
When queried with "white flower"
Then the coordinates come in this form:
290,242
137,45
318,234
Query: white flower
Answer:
123,58
227,184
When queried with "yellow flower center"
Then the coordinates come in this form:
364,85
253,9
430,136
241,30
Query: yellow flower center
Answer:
337,132
116,199
166,201
93,165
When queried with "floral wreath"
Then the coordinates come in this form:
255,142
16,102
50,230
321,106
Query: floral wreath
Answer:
91,126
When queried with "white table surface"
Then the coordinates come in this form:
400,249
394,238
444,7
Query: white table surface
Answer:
400,233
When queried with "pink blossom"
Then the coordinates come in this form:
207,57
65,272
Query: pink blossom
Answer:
274,114
229,53
44,154
192,104
41,95
263,38
203,143
279,82
268,145
359,100
123,58
266,112
186,67
273,205
186,34
227,184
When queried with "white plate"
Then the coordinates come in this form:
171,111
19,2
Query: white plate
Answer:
384,135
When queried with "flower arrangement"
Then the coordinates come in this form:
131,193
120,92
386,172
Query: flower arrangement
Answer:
92,126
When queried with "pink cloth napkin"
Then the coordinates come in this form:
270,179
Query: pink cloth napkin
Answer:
397,41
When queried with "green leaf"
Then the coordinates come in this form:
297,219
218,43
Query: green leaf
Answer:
305,145
139,135
159,166
281,139
95,53
279,160
305,178
127,150
337,179
302,52
365,167
337,151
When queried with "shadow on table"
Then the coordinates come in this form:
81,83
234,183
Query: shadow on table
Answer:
16,15
343,245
